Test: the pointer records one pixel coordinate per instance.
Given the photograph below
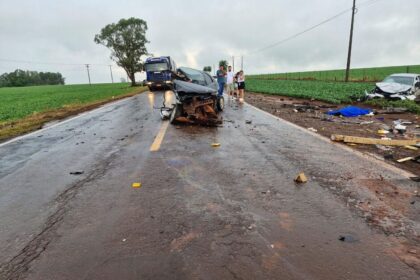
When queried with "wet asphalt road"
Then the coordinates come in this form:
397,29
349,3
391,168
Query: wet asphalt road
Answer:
231,212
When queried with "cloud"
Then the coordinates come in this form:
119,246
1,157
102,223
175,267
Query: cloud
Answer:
200,33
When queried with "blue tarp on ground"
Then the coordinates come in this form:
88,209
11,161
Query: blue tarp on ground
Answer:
350,111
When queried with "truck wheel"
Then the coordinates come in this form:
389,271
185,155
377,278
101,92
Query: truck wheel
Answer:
176,113
220,105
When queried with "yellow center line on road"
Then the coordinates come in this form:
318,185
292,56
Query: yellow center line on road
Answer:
159,137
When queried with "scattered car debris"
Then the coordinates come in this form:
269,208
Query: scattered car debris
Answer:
412,251
415,179
348,238
248,122
411,148
393,110
301,178
215,145
405,159
77,172
136,185
372,141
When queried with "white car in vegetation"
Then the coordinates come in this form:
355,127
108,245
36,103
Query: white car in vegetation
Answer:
398,87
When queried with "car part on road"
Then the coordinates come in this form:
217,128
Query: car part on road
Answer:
196,104
301,178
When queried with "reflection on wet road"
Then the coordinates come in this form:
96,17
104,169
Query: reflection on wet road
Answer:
231,212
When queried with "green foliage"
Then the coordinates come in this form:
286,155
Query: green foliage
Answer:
207,69
223,63
333,92
361,74
19,102
127,41
20,78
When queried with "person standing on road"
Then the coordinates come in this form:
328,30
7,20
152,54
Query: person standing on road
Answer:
221,79
241,86
230,83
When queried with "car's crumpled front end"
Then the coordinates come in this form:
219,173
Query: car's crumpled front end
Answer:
392,91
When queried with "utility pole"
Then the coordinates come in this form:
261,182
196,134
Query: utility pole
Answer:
233,63
350,42
242,62
110,70
87,69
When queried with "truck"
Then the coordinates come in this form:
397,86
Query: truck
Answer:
159,72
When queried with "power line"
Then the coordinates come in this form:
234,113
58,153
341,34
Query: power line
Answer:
368,2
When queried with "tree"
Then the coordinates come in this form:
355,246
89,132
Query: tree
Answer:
21,78
127,41
207,69
223,63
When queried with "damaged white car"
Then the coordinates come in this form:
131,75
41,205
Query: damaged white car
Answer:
397,87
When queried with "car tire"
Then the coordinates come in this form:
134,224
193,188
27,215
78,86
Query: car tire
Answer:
176,113
151,88
220,105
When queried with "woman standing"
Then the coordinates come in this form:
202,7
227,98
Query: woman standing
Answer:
241,86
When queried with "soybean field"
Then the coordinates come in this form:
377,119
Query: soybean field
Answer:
357,75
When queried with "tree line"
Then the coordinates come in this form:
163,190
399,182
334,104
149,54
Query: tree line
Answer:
21,78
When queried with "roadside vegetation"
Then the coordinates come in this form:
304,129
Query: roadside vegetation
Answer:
358,75
24,109
332,92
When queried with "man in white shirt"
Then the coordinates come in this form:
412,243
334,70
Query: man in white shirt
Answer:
230,82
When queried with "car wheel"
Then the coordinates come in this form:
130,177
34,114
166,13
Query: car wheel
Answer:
220,105
151,88
176,113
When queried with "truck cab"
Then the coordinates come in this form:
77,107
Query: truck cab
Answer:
159,72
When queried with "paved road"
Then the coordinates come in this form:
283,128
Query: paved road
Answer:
202,213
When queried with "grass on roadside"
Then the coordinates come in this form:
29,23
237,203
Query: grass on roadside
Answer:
332,92
360,74
29,108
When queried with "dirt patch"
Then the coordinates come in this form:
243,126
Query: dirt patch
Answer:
311,114
36,121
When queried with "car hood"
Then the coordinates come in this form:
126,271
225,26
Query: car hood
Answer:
188,87
393,87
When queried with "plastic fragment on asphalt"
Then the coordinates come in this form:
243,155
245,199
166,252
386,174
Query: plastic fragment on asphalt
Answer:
136,185
77,173
301,178
215,145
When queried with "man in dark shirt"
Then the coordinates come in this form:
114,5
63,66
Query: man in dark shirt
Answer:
221,79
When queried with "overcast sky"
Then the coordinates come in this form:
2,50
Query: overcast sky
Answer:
199,33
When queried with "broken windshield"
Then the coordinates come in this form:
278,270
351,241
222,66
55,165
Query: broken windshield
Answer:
400,80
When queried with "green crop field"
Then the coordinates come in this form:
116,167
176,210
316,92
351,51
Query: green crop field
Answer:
361,74
20,102
333,92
